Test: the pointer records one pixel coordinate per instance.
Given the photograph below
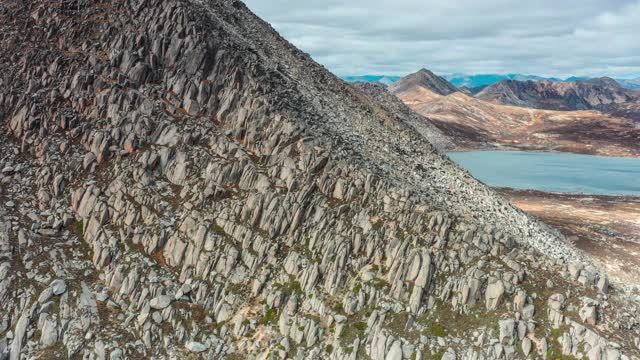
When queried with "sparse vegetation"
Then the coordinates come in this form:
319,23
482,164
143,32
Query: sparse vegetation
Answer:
377,225
351,331
438,330
270,317
78,227
379,283
357,288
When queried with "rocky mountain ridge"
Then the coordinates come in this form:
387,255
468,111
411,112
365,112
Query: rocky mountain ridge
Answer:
565,96
180,181
480,81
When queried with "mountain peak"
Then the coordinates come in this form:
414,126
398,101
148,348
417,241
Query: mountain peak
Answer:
426,79
425,71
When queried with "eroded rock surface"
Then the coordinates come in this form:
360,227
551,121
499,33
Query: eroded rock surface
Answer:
177,180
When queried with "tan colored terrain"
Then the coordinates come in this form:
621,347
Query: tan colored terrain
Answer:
607,227
478,124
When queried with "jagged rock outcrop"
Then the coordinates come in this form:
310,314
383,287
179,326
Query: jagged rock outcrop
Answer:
179,181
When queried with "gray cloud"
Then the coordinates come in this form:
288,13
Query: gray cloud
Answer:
543,37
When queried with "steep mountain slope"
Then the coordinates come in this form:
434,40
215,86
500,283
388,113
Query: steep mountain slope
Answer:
579,95
180,181
425,79
477,124
392,104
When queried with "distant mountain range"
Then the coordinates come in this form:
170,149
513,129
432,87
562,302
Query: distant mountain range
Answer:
381,79
630,83
541,115
565,96
476,83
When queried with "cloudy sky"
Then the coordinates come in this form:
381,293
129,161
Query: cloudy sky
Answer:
395,37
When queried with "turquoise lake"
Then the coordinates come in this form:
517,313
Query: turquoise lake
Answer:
553,172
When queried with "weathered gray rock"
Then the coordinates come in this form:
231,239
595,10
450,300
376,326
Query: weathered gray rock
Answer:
89,159
19,336
207,184
556,305
160,302
395,352
603,285
507,331
494,294
58,287
196,347
49,335
45,295
527,345
589,312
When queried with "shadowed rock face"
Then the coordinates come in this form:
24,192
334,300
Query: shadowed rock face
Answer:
204,189
425,79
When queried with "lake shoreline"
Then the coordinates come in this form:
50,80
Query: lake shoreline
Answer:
593,200
524,149
547,172
565,195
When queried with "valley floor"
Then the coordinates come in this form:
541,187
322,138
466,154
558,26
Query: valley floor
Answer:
607,227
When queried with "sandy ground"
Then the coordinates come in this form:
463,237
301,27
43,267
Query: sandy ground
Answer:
606,227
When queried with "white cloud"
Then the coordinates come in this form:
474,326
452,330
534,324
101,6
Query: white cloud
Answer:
544,37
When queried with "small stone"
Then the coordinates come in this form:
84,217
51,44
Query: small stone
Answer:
528,312
589,312
160,302
89,158
45,295
603,285
58,185
196,347
59,287
526,346
340,318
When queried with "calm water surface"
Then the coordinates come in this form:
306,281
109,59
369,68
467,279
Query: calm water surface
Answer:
554,172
